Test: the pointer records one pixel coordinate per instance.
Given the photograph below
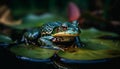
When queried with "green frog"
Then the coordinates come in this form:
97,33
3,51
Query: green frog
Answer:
49,34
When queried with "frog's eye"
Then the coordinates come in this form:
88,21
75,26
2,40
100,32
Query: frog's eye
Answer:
64,28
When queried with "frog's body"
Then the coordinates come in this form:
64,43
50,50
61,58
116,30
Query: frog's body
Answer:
47,34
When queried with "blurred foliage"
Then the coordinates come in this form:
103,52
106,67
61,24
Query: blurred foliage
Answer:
56,6
97,13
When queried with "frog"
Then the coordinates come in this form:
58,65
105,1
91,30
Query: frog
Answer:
49,33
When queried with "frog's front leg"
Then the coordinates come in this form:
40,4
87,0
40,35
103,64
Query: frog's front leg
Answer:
25,40
30,37
78,42
46,42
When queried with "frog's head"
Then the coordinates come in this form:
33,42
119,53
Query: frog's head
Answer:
67,30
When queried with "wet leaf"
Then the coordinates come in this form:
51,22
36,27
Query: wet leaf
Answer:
32,52
86,54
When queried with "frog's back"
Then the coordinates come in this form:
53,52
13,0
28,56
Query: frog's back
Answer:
44,30
49,27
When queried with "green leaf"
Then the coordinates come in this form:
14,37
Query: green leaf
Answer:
90,52
94,33
32,52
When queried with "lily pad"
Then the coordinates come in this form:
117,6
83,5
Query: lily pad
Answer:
90,53
94,33
32,52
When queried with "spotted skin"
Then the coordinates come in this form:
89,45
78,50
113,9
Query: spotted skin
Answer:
42,36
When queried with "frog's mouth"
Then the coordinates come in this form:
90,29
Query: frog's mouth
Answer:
61,35
64,36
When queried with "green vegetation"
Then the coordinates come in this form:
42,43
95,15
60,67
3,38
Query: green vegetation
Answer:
92,50
32,52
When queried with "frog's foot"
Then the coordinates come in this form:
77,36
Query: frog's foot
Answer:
56,47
